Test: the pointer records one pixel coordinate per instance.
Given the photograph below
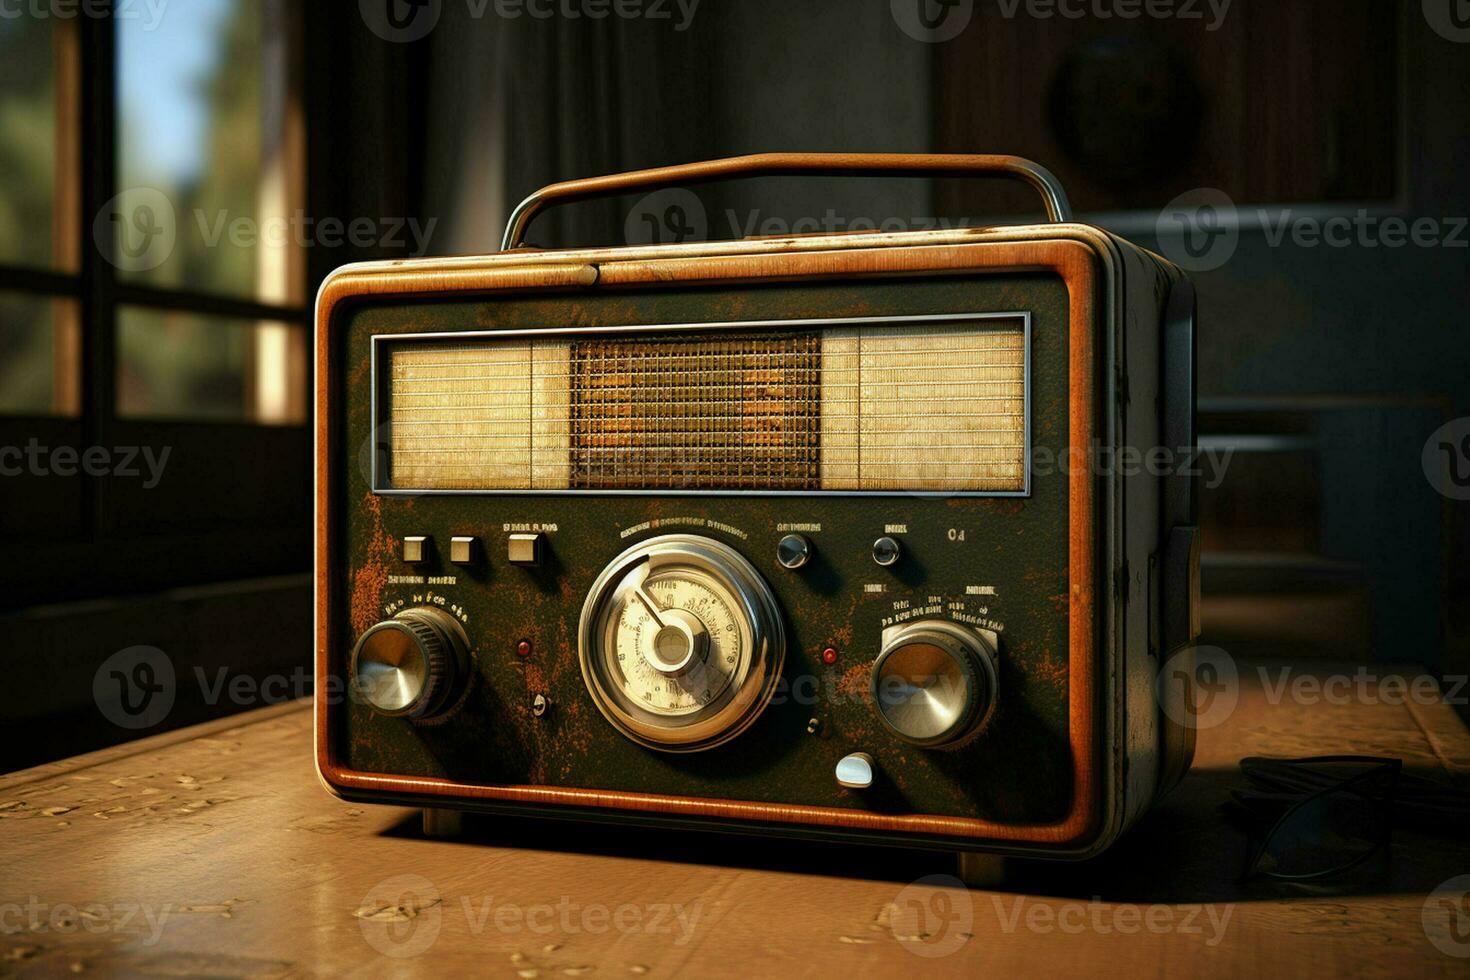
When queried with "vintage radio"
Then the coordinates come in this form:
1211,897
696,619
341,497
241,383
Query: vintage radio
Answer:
813,536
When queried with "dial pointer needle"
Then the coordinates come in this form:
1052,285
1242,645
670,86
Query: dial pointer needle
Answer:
650,605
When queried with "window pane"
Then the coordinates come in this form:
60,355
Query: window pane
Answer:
201,142
37,141
38,355
189,366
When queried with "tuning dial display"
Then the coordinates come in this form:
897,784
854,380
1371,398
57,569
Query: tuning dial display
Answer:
934,683
411,664
681,643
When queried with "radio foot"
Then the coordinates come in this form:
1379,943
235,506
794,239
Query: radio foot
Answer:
441,824
981,870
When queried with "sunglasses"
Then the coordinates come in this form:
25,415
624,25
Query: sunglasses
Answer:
1317,817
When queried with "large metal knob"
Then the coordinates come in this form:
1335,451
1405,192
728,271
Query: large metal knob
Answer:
934,683
411,664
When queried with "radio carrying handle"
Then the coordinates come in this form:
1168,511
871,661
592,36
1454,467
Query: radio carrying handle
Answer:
793,165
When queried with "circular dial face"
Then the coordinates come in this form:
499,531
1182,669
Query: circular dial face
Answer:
681,643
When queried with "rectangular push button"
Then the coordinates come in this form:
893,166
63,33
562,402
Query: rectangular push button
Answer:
463,551
524,549
416,548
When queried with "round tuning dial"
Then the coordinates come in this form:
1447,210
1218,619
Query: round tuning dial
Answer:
681,643
934,682
411,664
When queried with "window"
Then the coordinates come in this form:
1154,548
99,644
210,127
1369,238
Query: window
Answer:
152,291
38,216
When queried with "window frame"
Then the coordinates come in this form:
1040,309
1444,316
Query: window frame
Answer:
222,518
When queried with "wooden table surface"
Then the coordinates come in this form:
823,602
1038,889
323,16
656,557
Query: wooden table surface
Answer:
215,852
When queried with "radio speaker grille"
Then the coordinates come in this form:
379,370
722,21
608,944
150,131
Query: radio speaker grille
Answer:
697,413
871,408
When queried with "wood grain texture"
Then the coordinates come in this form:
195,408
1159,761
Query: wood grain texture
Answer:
1075,263
216,852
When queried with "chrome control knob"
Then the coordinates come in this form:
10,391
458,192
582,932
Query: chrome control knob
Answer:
411,664
934,683
793,552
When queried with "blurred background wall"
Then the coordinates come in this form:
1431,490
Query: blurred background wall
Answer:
1324,367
